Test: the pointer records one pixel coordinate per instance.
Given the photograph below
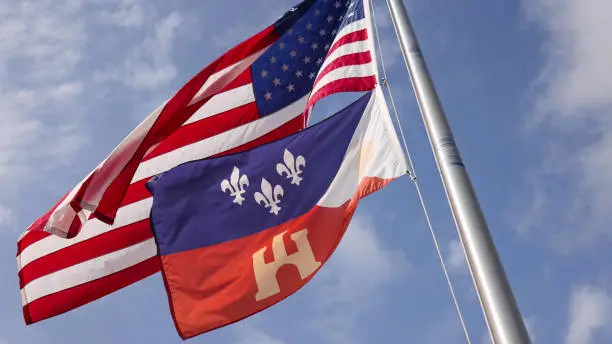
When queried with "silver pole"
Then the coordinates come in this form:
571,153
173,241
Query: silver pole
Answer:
496,299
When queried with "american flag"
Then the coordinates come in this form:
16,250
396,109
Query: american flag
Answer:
259,91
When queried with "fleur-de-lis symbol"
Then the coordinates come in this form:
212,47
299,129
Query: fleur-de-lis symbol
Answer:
236,185
268,197
292,167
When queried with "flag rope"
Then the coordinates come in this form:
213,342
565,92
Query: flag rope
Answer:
413,177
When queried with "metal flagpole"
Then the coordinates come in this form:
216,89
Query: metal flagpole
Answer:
501,312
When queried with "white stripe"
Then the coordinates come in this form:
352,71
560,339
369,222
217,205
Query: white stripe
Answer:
350,28
198,150
62,216
88,271
220,143
384,159
126,215
224,101
126,149
231,71
351,71
347,49
368,25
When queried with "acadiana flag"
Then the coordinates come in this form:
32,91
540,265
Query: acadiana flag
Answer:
239,233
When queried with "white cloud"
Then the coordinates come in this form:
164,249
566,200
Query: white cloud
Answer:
6,216
572,189
128,14
530,324
40,51
251,335
590,311
149,64
388,40
576,76
362,260
238,32
456,258
41,40
445,330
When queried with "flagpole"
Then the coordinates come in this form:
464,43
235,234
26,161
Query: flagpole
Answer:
501,312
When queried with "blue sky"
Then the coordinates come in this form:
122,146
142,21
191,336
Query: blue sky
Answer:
528,90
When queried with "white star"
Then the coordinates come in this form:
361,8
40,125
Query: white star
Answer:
264,73
351,14
337,4
322,32
334,31
311,75
314,46
276,81
330,19
293,53
291,87
285,67
273,59
298,74
319,60
308,26
301,39
327,46
281,46
340,18
307,59
268,95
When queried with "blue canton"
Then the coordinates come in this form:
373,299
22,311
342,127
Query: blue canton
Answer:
287,70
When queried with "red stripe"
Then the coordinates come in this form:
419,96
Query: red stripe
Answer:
68,299
355,36
165,146
206,128
243,79
97,246
346,60
294,125
357,84
136,192
30,238
36,230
